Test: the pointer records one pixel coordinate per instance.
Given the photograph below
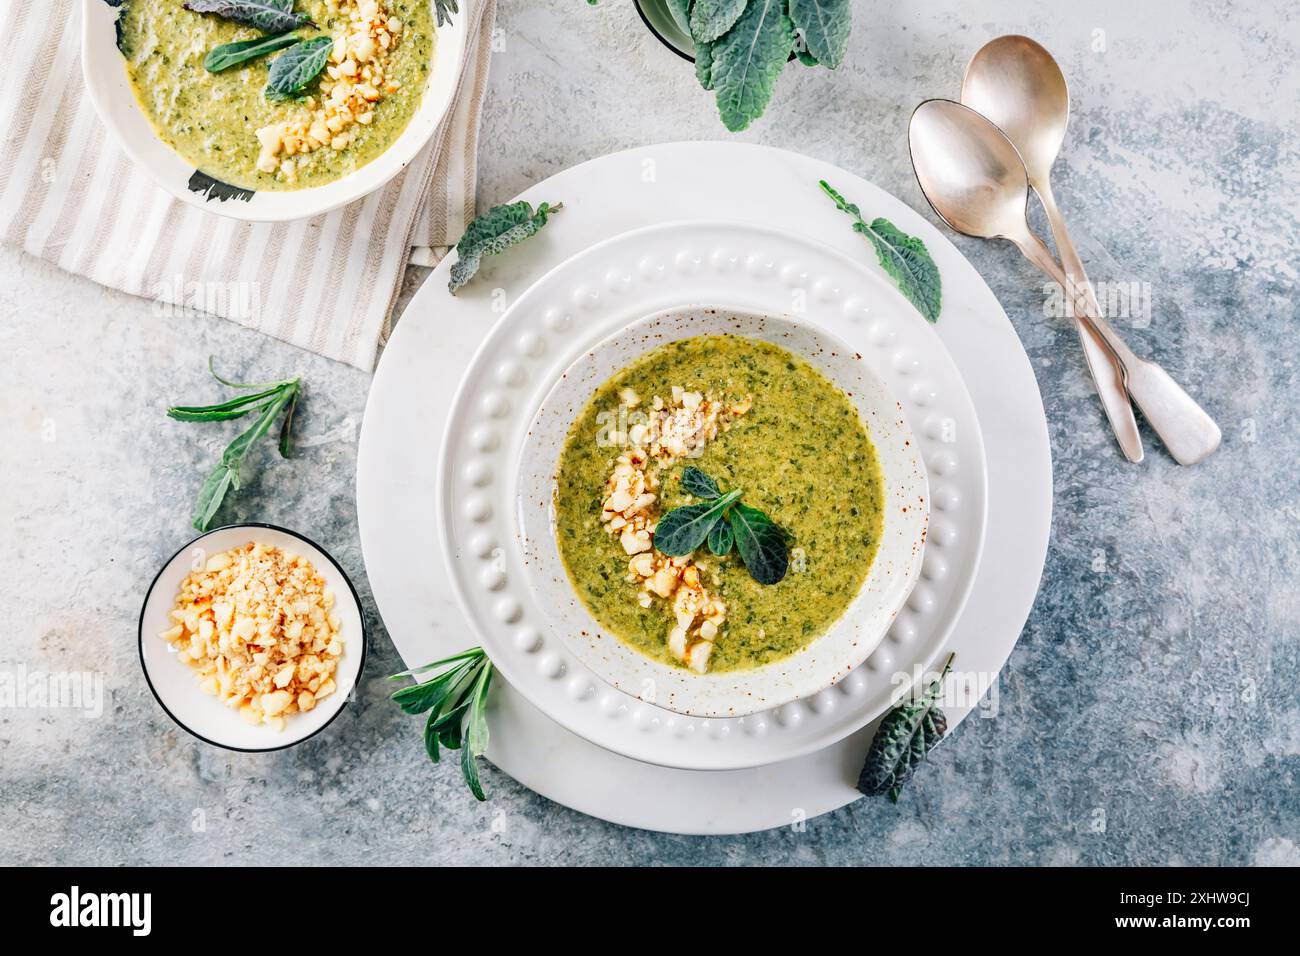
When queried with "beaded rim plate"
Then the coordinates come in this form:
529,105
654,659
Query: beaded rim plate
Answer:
581,302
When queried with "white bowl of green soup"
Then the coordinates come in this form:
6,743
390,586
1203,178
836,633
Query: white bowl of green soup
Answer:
737,510
274,110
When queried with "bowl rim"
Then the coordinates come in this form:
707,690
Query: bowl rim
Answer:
345,693
727,705
645,18
298,204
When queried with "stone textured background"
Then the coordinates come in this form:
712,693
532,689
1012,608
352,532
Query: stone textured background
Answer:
1150,712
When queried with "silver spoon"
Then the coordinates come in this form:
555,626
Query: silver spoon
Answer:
1015,83
975,180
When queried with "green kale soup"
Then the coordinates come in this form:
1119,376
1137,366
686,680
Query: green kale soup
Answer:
754,417
227,126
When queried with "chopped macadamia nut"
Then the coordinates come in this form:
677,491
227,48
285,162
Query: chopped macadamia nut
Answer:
629,510
256,627
352,85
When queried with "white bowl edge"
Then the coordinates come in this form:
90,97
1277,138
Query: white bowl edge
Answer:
114,100
173,684
849,641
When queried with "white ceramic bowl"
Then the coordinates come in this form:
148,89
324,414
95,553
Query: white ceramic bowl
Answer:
119,110
849,641
174,684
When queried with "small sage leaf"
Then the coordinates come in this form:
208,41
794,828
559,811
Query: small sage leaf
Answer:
904,739
418,698
211,495
232,54
699,484
721,539
712,18
296,67
903,257
286,426
684,529
825,26
493,232
761,544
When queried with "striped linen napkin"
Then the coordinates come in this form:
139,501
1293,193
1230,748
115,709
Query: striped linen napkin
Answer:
69,194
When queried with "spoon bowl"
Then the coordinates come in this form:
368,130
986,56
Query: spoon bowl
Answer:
970,173
1016,83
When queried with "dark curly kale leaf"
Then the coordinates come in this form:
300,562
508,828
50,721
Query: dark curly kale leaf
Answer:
905,737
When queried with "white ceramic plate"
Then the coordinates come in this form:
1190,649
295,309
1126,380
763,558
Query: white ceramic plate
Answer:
438,336
894,570
560,319
173,683
119,110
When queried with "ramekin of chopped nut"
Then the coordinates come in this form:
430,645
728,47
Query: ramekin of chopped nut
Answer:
251,637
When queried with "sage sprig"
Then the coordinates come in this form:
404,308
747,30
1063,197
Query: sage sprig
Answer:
493,232
269,16
456,702
268,400
905,737
903,257
293,69
723,521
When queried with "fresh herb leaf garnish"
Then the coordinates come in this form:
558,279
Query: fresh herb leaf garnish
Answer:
712,18
268,399
721,539
443,9
684,529
905,737
456,702
232,54
760,543
292,70
269,16
723,522
699,484
286,426
748,59
493,232
903,257
825,26
704,64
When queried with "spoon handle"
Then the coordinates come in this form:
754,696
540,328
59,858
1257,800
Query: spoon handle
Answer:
1106,373
1187,431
